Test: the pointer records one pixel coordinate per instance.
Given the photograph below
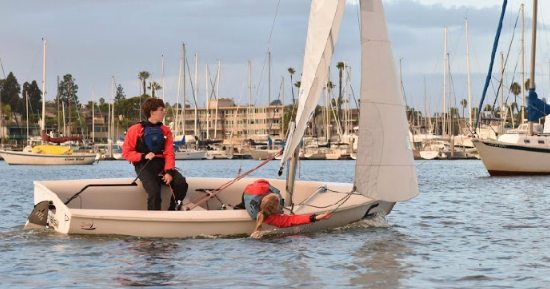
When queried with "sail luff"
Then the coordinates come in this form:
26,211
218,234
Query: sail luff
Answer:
385,168
324,23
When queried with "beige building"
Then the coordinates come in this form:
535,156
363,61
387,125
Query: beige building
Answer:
222,118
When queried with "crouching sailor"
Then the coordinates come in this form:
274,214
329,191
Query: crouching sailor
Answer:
264,204
149,145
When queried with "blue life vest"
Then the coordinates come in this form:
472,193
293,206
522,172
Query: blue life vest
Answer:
154,139
255,192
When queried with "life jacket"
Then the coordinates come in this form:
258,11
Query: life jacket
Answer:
152,139
255,192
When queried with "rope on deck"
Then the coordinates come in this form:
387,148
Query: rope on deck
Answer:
205,197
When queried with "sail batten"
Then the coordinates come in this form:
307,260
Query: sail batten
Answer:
385,168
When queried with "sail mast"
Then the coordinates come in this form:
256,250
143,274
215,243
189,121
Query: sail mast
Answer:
522,66
43,122
469,79
533,50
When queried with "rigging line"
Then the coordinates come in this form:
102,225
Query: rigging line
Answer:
204,198
267,52
199,125
352,91
2,66
544,28
493,52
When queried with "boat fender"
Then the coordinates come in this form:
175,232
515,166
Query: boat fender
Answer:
255,192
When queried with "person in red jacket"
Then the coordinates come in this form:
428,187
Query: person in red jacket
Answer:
271,213
149,145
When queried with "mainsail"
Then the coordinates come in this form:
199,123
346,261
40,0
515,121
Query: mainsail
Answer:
324,22
385,168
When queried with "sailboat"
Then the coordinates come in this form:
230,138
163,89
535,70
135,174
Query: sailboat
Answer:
47,154
523,153
384,155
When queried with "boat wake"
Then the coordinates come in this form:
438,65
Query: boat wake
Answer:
377,220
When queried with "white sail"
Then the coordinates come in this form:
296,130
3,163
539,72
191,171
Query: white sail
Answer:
324,22
385,168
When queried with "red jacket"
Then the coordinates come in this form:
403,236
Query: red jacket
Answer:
284,221
137,131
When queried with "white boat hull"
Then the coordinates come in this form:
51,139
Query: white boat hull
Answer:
30,158
429,155
190,155
121,210
261,154
501,159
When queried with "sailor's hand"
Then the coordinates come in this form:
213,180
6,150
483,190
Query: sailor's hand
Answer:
167,178
324,215
150,156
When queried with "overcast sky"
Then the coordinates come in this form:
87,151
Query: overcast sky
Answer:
95,40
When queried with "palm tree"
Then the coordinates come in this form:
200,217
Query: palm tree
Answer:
291,71
340,67
143,77
464,103
515,88
153,86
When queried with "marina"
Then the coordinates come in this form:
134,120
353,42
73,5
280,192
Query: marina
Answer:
362,171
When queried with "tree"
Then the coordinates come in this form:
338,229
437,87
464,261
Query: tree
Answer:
35,97
154,86
515,88
340,67
291,71
68,90
276,102
119,94
464,103
143,77
102,101
10,90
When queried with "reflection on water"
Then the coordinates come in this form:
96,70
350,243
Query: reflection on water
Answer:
148,263
380,261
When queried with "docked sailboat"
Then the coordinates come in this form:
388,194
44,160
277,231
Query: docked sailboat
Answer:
47,154
521,153
118,206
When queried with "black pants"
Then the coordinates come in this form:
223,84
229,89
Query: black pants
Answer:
151,179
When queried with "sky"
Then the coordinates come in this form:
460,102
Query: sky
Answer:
95,41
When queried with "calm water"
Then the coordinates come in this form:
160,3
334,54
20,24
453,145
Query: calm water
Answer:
464,230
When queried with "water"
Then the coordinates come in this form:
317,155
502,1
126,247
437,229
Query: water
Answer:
464,230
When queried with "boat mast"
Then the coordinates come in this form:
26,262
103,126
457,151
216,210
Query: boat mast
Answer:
533,45
207,97
502,116
217,101
469,80
176,119
162,57
269,100
93,115
522,67
184,92
249,98
444,129
282,112
43,121
196,88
